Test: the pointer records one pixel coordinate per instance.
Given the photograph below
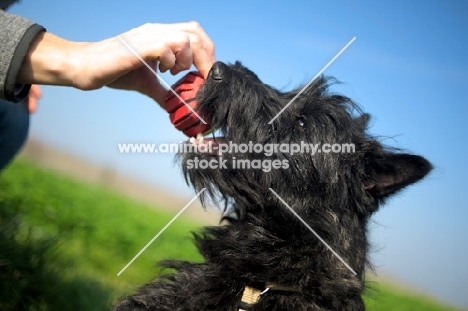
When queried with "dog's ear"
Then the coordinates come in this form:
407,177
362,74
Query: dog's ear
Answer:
391,172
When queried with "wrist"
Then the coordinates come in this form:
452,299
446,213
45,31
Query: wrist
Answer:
50,60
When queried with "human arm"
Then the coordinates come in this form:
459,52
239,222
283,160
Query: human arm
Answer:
92,65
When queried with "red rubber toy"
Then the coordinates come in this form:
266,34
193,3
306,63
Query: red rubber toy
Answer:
180,115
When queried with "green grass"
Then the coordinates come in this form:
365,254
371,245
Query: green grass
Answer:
62,243
384,296
85,234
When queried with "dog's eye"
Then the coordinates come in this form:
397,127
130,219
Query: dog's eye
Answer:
300,122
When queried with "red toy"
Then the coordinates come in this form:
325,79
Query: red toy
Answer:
182,116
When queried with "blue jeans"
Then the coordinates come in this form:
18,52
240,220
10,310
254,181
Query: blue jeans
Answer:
14,126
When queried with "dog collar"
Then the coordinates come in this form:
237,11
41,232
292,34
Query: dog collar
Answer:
251,295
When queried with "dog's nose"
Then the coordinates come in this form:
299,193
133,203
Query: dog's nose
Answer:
217,71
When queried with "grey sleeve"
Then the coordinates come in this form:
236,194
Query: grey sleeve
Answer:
17,33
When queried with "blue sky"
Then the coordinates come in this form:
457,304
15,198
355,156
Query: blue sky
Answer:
407,68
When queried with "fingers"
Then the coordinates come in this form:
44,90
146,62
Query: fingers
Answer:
201,59
32,100
204,53
202,47
176,46
167,59
35,91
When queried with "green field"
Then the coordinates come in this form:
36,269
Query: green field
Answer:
62,243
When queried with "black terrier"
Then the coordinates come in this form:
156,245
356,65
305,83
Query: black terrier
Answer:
266,258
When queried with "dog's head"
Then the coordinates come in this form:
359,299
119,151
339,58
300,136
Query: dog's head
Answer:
309,146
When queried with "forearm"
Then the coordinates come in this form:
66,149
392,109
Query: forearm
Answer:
50,60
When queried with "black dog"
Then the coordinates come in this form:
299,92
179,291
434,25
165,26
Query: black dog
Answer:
266,258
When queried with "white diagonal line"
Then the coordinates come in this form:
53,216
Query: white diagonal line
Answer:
160,232
313,231
310,82
160,79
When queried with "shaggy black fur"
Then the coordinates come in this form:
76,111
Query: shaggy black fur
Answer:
335,193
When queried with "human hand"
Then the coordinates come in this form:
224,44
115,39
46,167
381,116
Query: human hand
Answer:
32,100
177,47
88,66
